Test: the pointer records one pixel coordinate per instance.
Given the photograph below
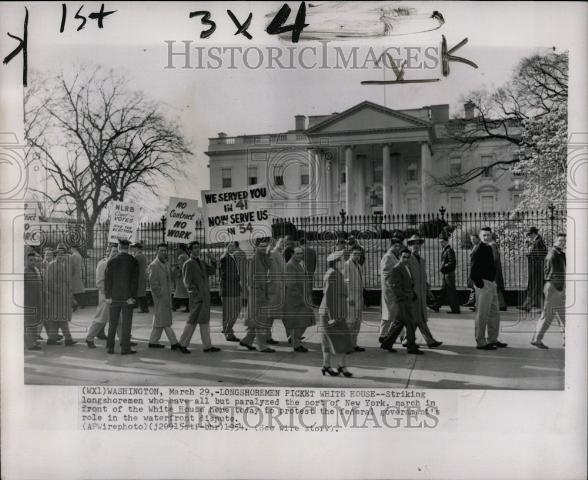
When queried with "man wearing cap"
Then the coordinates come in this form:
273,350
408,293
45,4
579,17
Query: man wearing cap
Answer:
418,271
535,261
402,286
137,250
353,244
448,264
483,274
121,280
389,306
195,274
555,294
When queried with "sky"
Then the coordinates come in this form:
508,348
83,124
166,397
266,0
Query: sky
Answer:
247,101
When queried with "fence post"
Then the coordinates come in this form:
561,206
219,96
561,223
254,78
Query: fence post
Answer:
163,220
551,208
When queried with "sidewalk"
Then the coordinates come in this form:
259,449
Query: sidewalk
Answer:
456,364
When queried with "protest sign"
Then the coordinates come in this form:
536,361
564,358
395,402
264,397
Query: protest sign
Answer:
124,221
181,216
236,214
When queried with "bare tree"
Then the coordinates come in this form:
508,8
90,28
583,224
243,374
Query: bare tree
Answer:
97,140
538,87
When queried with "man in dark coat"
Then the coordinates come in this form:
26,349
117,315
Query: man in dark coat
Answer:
555,293
483,275
121,280
33,301
448,292
230,291
535,261
402,287
195,273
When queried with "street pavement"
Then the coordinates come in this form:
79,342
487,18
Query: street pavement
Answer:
455,365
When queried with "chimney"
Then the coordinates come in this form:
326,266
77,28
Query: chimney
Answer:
300,122
469,110
222,135
439,113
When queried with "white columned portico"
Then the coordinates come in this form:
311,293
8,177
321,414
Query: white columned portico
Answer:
312,182
328,185
386,179
348,176
425,171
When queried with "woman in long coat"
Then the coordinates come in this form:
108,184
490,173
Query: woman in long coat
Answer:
298,314
336,338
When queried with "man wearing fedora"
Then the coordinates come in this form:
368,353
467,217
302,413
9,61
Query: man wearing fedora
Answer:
535,261
137,249
389,305
448,265
483,275
418,272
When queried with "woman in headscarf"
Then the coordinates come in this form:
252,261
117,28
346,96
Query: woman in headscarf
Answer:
336,338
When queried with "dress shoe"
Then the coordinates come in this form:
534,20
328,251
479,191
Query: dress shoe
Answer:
434,308
179,347
35,348
503,309
268,350
211,350
486,347
473,309
156,345
232,338
248,347
330,371
70,342
540,344
390,349
301,349
405,344
128,352
90,344
101,336
359,349
381,339
457,312
498,344
468,304
345,372
271,341
415,351
186,310
435,344
53,342
133,344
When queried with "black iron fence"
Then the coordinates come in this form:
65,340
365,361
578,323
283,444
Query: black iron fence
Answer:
372,232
